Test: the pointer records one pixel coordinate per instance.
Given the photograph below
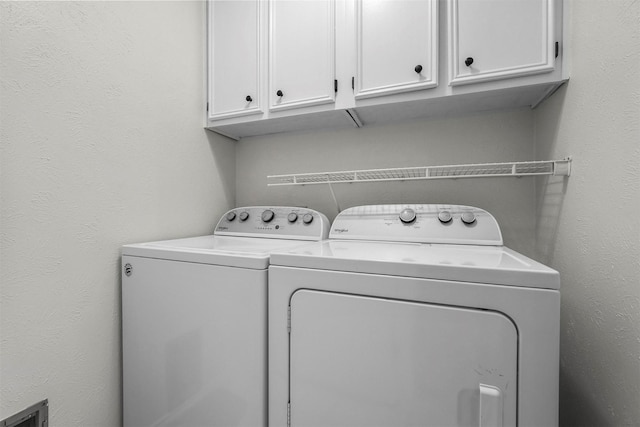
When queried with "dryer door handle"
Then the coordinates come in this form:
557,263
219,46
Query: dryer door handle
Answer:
490,406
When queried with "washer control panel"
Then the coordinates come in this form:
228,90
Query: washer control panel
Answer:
275,222
453,224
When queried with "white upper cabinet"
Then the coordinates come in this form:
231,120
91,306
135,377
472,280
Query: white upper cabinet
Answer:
235,52
283,65
397,46
301,53
498,39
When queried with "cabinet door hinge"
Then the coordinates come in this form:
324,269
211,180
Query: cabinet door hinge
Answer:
288,414
353,83
207,107
557,49
289,319
335,85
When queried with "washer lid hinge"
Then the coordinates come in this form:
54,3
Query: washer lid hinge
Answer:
289,319
288,414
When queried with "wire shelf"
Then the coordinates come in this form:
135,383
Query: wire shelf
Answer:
513,169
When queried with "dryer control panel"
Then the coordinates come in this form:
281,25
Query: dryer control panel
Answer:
452,224
274,222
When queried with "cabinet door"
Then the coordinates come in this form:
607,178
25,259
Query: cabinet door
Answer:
497,39
397,46
235,32
360,361
302,53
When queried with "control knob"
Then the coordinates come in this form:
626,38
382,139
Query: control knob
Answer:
445,217
407,216
231,216
267,215
244,216
307,218
292,217
468,218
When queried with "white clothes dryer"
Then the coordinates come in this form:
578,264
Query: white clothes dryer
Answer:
412,315
194,320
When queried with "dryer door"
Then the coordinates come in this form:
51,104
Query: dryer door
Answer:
361,361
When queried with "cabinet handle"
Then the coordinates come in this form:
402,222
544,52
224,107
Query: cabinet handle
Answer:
418,69
279,93
249,98
468,62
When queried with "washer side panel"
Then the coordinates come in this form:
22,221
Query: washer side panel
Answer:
194,344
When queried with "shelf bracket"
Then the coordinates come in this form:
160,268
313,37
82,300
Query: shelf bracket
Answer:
562,167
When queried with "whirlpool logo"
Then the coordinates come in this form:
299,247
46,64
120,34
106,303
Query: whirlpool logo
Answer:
340,230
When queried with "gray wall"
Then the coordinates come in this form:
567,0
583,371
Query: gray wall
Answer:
588,228
101,144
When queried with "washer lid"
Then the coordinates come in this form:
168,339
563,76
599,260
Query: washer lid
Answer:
467,263
244,252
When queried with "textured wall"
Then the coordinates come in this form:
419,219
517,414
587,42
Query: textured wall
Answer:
485,137
101,145
588,227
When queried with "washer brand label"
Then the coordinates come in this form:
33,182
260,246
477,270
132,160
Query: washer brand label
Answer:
340,230
223,228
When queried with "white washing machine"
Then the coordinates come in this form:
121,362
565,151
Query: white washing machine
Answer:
412,315
194,320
